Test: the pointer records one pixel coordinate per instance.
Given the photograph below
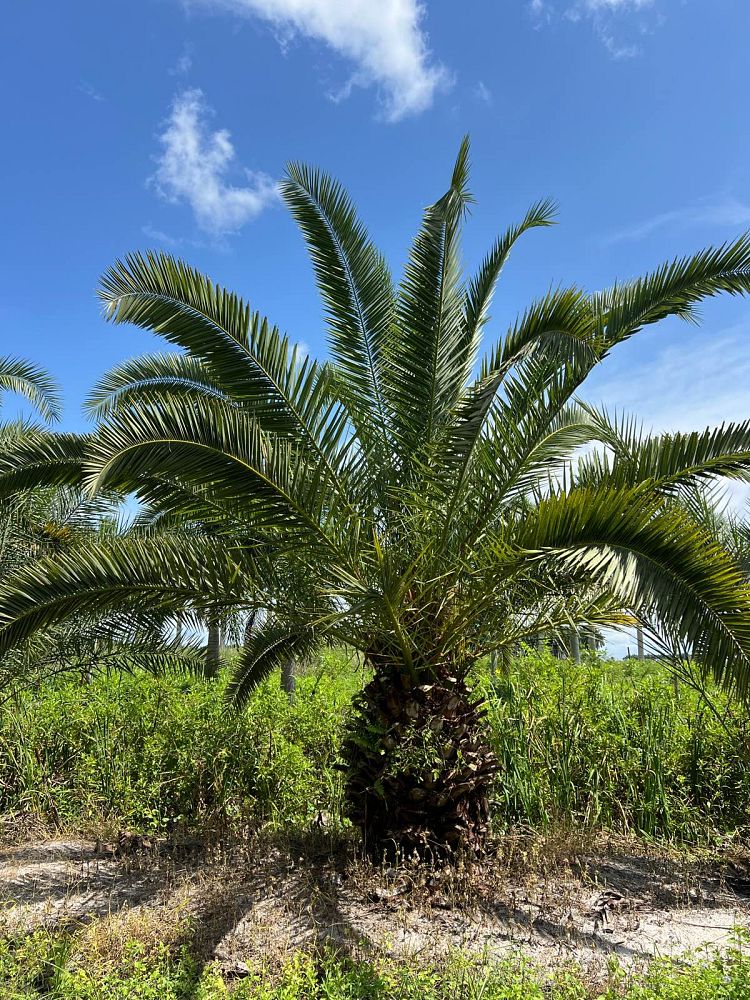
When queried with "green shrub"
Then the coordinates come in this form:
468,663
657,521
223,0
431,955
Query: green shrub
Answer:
158,751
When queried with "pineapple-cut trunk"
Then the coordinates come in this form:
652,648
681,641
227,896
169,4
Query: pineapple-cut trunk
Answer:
418,771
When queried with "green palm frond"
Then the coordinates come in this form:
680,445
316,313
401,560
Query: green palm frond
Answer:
269,648
426,365
33,456
354,282
671,462
674,289
141,575
32,382
482,286
247,472
552,348
654,558
169,373
242,352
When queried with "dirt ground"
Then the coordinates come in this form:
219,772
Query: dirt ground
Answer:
555,900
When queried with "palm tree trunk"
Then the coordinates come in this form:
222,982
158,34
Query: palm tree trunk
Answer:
575,646
250,625
213,648
418,772
289,678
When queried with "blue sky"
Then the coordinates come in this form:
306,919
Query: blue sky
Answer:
166,123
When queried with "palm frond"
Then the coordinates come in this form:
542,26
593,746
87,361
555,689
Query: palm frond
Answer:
424,372
354,282
674,289
271,646
169,373
142,575
651,558
251,361
32,456
482,286
224,451
551,345
671,462
34,383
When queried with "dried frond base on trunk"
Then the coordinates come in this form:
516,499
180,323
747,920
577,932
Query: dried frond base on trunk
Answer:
418,773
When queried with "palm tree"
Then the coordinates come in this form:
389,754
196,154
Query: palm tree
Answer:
45,512
18,512
404,497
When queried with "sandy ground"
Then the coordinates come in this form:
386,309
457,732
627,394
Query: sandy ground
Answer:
555,903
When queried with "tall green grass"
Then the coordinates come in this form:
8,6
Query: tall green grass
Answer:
600,745
617,745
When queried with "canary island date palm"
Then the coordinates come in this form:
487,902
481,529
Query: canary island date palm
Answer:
407,496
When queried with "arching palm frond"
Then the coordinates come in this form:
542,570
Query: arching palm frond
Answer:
355,285
32,382
139,574
33,456
671,462
425,372
175,374
268,649
652,557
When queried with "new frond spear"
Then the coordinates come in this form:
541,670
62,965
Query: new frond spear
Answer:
391,500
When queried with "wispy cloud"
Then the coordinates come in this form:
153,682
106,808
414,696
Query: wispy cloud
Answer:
483,94
89,90
722,212
385,41
598,6
618,24
698,382
195,165
184,63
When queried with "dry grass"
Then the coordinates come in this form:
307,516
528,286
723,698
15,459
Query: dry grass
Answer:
560,898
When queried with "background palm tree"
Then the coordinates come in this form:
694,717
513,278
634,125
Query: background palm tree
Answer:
44,511
395,500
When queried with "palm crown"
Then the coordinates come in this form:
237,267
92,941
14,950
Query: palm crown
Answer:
405,497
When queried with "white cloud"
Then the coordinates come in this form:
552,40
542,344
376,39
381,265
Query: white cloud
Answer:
594,6
194,166
90,90
184,63
618,24
159,236
723,211
483,94
700,381
383,38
